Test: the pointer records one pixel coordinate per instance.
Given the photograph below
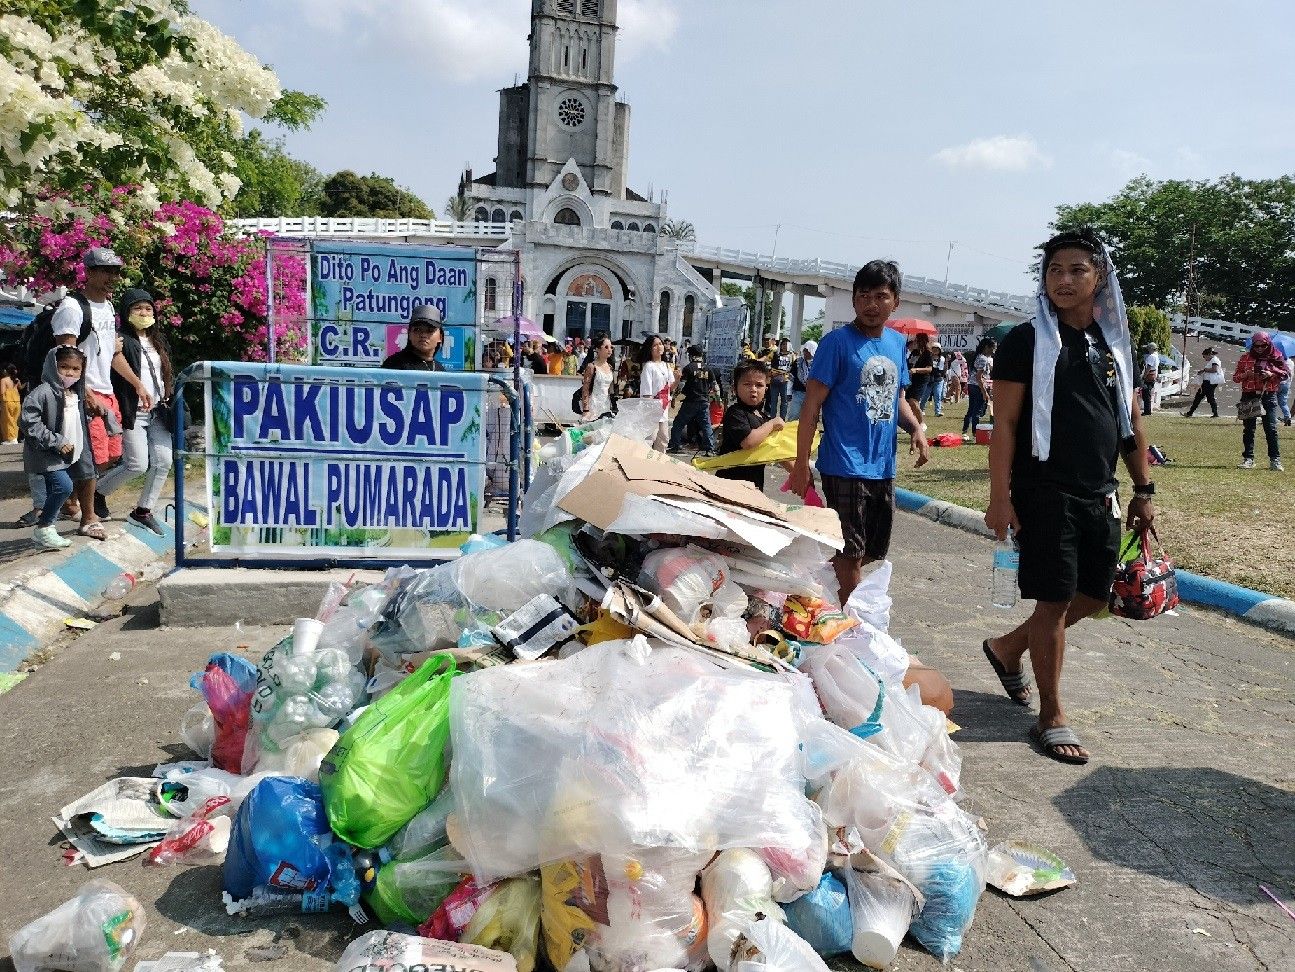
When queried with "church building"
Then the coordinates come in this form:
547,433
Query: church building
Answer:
592,257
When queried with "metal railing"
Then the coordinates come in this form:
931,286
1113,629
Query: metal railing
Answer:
336,226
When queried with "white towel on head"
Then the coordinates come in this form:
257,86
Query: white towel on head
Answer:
1113,319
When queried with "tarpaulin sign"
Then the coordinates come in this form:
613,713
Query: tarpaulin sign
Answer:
314,461
362,294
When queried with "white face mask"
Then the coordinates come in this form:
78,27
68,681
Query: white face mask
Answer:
70,380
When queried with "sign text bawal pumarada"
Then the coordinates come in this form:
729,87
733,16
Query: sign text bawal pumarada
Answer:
362,294
345,463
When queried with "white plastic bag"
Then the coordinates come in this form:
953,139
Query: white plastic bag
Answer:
623,745
382,951
772,946
654,920
876,649
97,931
870,601
736,887
505,578
198,730
686,578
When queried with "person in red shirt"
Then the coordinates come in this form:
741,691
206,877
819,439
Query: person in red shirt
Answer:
1260,373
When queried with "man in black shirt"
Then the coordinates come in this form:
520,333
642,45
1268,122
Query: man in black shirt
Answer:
423,339
745,423
699,386
1052,474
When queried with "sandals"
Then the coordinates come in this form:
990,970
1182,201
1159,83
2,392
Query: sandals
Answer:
1051,741
1016,684
94,531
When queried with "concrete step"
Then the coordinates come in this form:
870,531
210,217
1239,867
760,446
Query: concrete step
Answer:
213,597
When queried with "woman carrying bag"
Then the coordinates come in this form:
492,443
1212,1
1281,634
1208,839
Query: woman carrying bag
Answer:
146,436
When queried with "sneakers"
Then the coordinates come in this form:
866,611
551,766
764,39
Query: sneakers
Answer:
47,538
1276,465
967,438
101,507
147,520
1187,414
1247,463
29,518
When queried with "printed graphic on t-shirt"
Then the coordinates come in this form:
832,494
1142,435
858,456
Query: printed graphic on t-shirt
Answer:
878,388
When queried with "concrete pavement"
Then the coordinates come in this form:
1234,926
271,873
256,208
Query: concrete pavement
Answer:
1186,809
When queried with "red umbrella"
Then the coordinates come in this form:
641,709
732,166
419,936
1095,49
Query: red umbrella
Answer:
912,326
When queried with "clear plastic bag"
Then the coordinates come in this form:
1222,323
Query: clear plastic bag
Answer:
426,831
96,931
383,951
822,917
198,730
881,909
876,649
686,578
200,838
505,578
300,755
409,889
623,745
870,601
508,919
797,868
736,887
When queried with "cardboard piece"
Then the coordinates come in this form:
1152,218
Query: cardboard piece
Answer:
625,468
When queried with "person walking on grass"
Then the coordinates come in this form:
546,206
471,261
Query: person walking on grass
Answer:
979,387
1260,373
1211,376
1064,411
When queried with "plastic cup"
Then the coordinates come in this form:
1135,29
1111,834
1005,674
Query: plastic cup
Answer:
882,914
305,635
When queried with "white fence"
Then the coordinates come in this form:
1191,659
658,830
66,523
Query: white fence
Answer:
1228,331
329,226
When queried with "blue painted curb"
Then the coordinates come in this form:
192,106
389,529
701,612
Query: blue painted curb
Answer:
1266,610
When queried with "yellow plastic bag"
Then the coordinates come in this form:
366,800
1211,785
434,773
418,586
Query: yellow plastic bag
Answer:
779,447
572,891
508,920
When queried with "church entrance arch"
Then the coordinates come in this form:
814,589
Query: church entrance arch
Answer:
591,299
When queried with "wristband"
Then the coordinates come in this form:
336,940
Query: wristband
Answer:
1146,492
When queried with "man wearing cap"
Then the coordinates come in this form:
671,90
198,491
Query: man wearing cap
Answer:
698,387
1211,377
423,339
799,376
103,270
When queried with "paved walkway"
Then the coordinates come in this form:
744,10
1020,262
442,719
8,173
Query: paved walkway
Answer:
1185,810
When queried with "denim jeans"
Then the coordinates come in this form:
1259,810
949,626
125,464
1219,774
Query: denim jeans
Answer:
1270,430
58,487
934,390
779,398
976,405
797,403
690,412
1284,400
145,447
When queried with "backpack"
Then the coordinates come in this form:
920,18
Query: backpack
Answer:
38,338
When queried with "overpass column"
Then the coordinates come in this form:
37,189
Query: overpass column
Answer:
779,291
797,315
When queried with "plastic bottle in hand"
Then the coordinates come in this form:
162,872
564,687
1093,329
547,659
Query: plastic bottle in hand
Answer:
1007,559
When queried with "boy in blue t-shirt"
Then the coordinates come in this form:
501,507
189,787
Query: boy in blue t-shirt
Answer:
857,384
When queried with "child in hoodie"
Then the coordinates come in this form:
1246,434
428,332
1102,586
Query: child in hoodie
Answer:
57,436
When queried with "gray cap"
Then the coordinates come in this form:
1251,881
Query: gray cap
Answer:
426,313
101,256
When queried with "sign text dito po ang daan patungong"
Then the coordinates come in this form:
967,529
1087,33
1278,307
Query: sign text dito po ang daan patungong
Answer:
343,462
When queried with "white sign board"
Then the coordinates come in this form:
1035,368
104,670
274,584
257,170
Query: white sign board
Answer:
725,329
957,336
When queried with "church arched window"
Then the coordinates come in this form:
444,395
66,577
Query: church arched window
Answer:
492,294
567,217
516,217
482,214
649,228
617,224
498,216
689,310
633,227
663,318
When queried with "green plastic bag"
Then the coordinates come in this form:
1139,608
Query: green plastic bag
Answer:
391,763
408,889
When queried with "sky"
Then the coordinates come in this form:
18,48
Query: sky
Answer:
839,129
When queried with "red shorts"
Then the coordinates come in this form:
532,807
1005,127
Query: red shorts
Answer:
105,448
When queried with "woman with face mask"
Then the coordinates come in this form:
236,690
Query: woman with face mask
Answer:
146,437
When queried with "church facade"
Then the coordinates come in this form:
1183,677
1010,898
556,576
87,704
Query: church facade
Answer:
593,260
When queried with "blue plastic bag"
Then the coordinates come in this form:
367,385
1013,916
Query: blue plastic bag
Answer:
952,889
278,839
822,917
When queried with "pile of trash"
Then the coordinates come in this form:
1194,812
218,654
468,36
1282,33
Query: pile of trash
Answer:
642,738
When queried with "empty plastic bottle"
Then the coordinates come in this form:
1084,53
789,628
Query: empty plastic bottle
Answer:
1007,560
119,586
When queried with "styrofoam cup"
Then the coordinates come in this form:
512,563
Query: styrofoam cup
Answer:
305,635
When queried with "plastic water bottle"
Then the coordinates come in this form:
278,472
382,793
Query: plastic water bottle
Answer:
1007,560
119,586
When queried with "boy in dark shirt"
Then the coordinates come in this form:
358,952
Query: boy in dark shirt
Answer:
745,425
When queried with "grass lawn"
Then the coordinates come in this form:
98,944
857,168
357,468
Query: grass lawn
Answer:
1213,518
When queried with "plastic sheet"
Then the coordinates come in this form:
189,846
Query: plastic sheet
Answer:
96,931
623,745
822,917
736,888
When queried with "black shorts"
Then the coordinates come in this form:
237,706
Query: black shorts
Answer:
1068,545
867,511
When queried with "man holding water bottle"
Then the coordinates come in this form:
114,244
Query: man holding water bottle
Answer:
1068,371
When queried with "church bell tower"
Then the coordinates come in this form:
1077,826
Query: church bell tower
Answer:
573,112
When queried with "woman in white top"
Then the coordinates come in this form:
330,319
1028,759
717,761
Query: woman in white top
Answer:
1210,377
656,379
146,437
595,397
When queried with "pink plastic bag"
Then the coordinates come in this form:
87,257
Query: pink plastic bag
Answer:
811,495
195,839
231,709
456,911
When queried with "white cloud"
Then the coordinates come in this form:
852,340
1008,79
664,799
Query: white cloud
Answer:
998,153
467,41
1129,164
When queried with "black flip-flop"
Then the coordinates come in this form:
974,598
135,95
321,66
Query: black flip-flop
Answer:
1051,741
1014,683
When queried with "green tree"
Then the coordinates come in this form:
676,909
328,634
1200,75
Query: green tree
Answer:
1147,324
348,194
813,331
274,183
458,208
1244,243
679,229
